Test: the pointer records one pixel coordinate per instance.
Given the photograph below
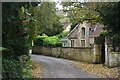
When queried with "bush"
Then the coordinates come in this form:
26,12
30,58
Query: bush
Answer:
12,68
52,41
59,44
39,40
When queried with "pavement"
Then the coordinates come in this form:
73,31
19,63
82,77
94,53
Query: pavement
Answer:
59,68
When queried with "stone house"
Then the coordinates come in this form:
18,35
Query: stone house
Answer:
83,35
67,27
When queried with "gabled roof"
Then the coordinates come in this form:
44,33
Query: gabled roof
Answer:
97,31
73,33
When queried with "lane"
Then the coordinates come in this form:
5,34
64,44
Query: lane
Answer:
59,68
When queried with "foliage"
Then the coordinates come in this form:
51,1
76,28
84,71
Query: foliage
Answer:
47,19
103,34
73,26
79,12
12,68
39,40
57,28
112,19
16,39
16,30
3,49
21,22
62,35
52,41
109,12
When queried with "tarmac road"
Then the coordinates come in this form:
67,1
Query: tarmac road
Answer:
59,68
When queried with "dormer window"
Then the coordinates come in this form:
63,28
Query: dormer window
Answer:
90,30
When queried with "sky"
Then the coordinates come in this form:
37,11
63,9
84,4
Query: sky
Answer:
58,4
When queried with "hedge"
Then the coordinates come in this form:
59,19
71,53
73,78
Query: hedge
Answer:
51,41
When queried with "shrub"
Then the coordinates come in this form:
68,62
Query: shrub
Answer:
39,40
52,41
59,44
12,68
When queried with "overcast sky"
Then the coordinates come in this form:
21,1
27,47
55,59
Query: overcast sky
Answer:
58,4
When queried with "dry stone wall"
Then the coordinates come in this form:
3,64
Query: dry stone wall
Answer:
78,54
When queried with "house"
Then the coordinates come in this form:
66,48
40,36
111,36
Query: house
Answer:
65,40
83,35
67,27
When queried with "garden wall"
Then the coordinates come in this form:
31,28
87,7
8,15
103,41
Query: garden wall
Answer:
79,54
114,59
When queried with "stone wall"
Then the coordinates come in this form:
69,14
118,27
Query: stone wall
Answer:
114,59
42,50
80,54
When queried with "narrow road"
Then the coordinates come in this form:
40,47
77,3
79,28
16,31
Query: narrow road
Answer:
59,68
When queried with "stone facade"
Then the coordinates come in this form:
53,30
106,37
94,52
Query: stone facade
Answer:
84,34
114,59
90,55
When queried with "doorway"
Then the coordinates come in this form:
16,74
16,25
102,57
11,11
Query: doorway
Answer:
102,53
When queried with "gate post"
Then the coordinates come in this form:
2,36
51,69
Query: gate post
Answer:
97,53
106,53
94,52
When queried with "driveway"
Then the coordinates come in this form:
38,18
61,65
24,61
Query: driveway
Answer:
59,68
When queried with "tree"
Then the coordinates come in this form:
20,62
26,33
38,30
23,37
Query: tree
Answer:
16,28
47,20
111,20
16,39
79,12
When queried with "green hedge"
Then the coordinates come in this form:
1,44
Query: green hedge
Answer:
52,41
39,40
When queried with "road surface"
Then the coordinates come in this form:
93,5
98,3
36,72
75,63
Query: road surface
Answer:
59,68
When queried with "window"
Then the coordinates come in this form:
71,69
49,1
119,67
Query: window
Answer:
83,43
90,31
83,32
72,43
90,45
